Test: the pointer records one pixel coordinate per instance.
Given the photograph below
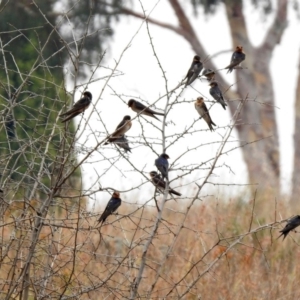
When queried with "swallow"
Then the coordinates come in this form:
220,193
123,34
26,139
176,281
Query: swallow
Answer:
142,109
204,113
237,57
121,129
111,206
122,142
291,224
160,183
209,74
79,107
162,165
217,94
194,70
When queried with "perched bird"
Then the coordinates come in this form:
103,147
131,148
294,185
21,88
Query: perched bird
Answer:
203,112
122,142
111,206
142,109
217,94
160,183
194,70
162,165
237,57
79,107
291,224
121,129
209,74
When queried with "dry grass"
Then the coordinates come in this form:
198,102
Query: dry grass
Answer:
74,259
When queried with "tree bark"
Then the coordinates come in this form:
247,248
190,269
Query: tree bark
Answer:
296,171
255,82
262,158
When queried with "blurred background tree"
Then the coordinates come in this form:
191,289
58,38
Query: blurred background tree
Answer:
32,89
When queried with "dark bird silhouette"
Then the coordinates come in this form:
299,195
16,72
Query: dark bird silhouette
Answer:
111,206
217,94
79,107
160,183
291,224
162,165
122,142
121,129
204,113
194,70
209,74
142,109
237,57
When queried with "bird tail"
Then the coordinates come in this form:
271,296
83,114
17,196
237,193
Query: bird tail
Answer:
280,236
102,218
110,140
158,113
229,70
223,104
64,114
174,192
68,118
210,126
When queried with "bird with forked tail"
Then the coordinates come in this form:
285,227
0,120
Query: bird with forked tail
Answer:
121,129
162,165
194,70
237,57
111,206
216,93
143,110
204,113
79,107
160,183
291,224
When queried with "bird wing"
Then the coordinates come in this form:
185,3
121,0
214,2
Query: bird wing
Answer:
162,166
120,124
193,72
79,106
139,106
121,130
113,204
236,59
159,182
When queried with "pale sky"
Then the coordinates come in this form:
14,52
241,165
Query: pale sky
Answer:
143,78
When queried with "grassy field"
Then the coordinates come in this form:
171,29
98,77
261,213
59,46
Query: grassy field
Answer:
219,250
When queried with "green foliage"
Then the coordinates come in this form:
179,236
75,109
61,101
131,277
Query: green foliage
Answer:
94,17
32,88
31,84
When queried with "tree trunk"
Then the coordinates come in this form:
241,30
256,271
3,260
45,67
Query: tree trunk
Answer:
262,158
296,171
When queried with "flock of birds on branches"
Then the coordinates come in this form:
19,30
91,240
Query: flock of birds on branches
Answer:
161,182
